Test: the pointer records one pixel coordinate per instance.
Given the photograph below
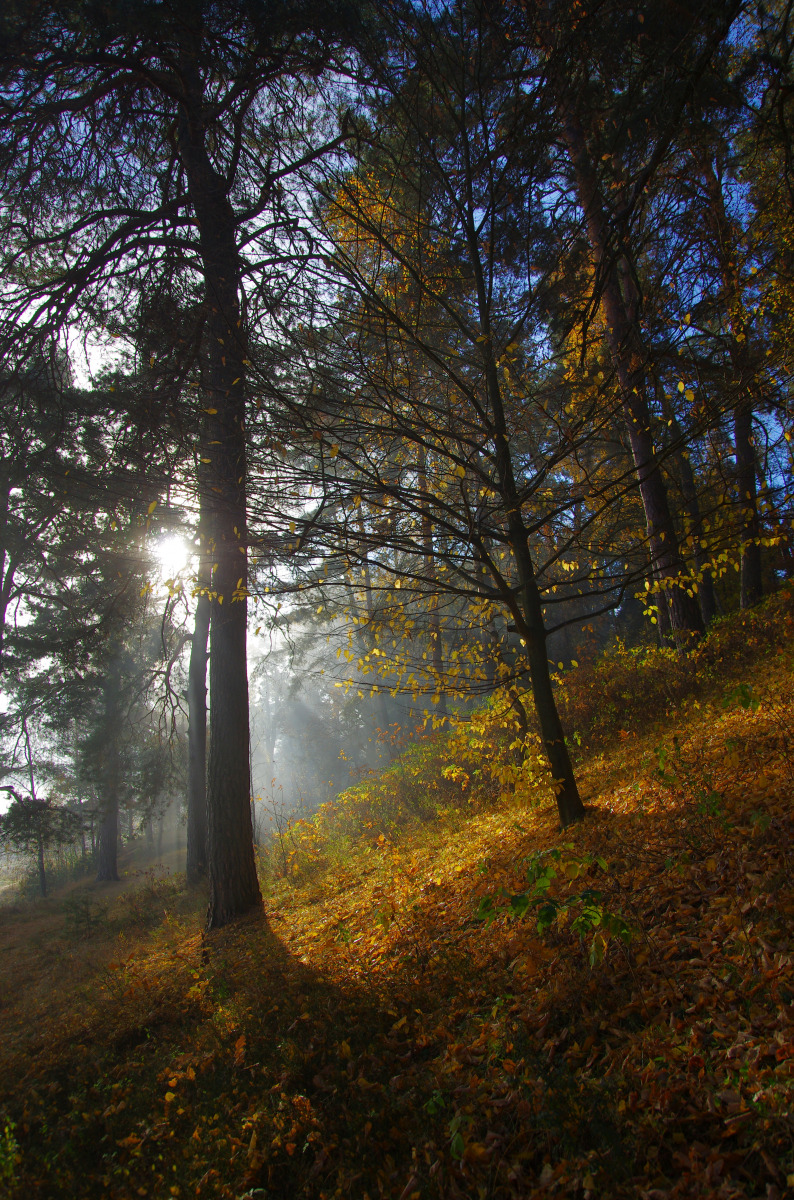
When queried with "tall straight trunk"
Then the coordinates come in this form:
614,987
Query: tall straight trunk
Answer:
234,886
727,246
196,859
628,359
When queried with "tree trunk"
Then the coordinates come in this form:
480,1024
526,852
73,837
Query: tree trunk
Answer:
107,846
196,864
628,359
40,859
234,887
528,612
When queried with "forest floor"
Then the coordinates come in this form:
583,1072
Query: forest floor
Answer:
374,1036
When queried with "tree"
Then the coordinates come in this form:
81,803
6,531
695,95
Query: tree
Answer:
418,421
31,825
158,140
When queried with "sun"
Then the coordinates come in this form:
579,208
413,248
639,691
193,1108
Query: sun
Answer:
172,553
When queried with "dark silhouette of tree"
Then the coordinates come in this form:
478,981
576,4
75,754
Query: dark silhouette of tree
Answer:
152,140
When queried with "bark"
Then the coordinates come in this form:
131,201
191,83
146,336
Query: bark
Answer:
629,360
234,887
196,862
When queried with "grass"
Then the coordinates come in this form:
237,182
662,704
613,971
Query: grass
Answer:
371,1037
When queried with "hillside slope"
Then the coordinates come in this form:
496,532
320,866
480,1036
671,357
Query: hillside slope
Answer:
398,1026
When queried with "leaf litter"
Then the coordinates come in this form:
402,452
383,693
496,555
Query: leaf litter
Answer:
375,1037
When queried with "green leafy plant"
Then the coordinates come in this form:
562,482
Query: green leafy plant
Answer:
589,919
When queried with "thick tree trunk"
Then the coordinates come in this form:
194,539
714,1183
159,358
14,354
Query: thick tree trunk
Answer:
628,359
196,862
234,886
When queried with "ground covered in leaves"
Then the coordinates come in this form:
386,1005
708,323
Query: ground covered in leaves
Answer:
399,1027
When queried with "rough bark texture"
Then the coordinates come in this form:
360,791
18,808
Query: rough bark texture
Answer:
628,359
196,859
234,887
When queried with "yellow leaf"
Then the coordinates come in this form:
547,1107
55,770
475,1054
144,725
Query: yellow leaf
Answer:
152,507
211,411
334,451
681,385
169,1096
689,395
460,471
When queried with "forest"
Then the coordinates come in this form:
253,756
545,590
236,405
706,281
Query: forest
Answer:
396,598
